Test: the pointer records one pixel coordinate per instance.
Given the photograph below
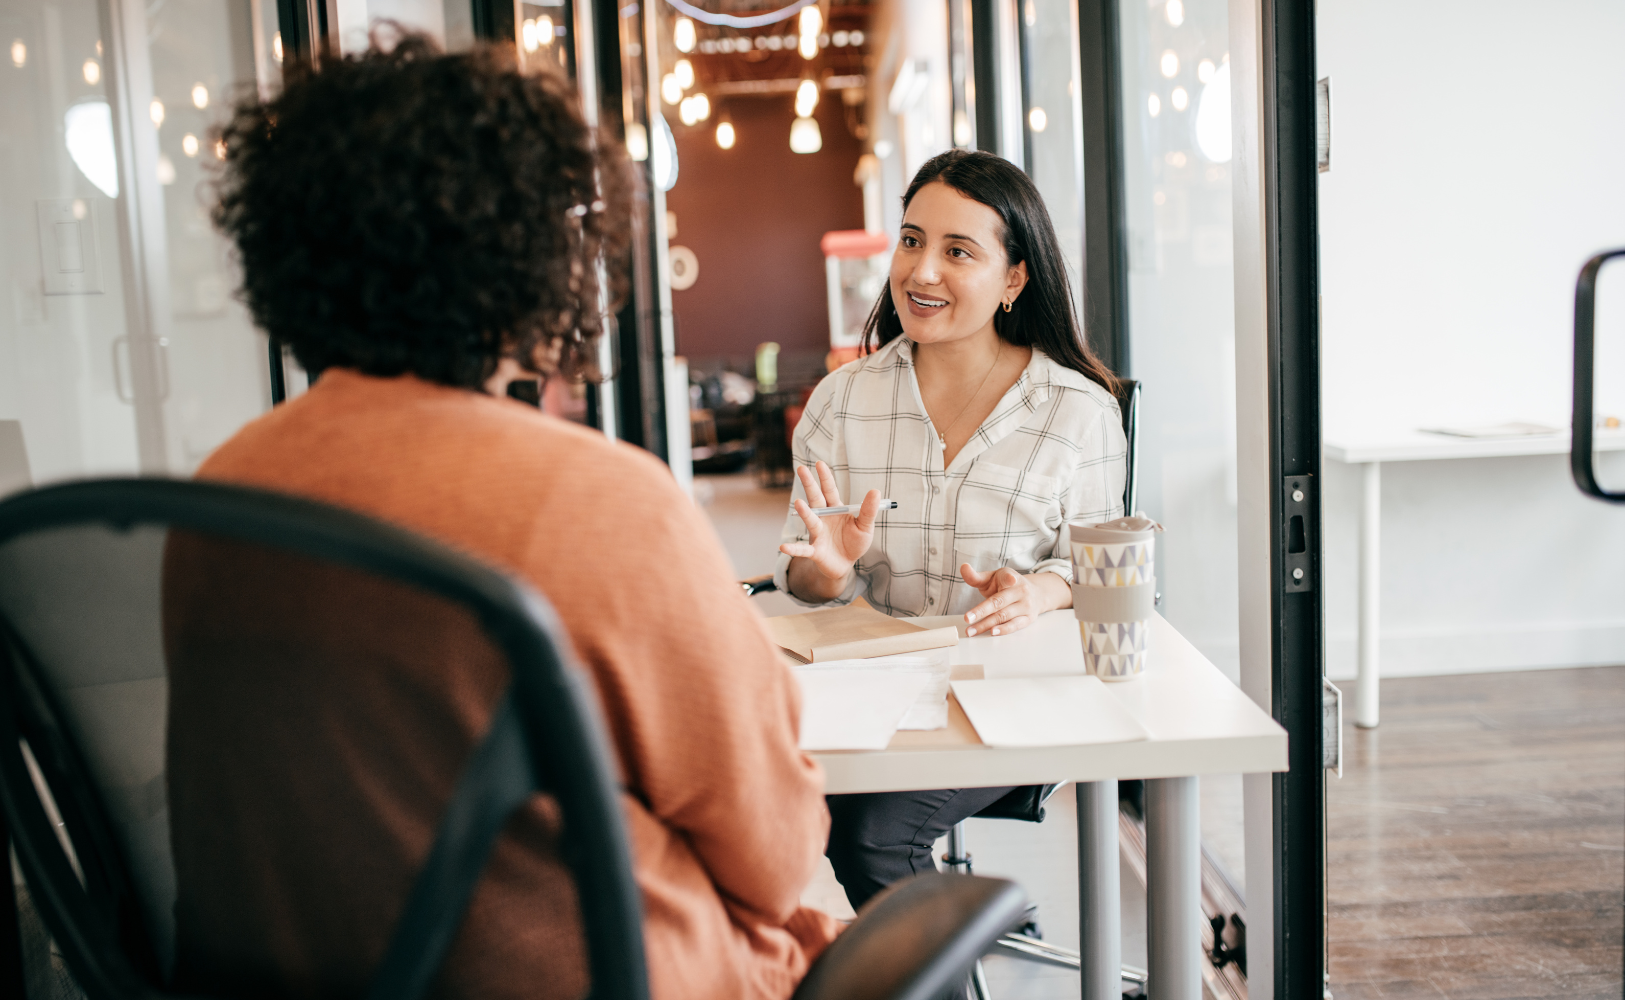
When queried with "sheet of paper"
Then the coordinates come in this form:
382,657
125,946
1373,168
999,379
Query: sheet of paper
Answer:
930,709
855,709
854,631
1065,710
1516,428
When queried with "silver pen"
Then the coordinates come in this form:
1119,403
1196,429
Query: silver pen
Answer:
851,508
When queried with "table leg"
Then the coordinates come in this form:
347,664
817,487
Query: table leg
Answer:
1173,888
1365,687
1100,938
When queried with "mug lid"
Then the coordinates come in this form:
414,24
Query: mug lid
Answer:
1124,529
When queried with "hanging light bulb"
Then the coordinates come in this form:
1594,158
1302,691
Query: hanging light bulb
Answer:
812,22
156,110
684,72
725,135
702,107
804,136
806,98
670,89
527,35
544,30
686,113
683,36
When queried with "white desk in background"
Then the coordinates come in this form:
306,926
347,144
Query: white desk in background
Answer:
1416,446
1199,723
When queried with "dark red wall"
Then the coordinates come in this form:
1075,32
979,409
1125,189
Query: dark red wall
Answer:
753,215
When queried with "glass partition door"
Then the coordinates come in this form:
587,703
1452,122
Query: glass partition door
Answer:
123,347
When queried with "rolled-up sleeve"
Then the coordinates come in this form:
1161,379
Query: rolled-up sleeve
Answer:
814,441
1095,492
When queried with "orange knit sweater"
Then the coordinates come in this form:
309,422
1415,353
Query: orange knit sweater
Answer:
289,874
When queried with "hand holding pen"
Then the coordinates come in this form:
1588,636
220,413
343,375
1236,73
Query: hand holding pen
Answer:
835,540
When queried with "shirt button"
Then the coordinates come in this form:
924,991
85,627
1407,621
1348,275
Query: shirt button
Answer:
930,603
936,489
933,550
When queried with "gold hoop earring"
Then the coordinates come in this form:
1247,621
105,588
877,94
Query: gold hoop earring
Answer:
1007,307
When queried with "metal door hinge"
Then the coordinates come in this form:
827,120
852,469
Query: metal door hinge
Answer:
1331,727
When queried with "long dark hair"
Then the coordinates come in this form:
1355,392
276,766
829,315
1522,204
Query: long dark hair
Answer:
1042,315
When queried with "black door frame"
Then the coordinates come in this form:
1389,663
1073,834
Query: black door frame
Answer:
1105,215
1297,613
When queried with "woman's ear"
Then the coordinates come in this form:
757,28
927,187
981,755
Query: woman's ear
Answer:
1015,280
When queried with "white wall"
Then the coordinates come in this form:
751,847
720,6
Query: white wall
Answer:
1476,164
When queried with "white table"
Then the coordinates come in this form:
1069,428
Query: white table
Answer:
1369,452
1199,723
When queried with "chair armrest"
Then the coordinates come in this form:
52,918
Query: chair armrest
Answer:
916,940
759,585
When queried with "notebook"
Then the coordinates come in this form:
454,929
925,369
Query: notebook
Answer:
856,631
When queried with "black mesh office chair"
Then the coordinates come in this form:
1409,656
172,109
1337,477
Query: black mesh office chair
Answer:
1027,803
89,578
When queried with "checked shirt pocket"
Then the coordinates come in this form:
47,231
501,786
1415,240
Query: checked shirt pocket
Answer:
1005,516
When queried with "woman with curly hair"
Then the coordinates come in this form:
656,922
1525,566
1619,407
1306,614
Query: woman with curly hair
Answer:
419,228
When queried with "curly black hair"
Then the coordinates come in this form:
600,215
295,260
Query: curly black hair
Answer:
410,211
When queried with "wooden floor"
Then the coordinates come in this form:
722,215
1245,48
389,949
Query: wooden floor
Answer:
1476,841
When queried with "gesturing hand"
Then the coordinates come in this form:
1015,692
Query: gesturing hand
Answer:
1011,601
833,543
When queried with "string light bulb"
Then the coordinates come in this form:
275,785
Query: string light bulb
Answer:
156,111
19,53
544,30
683,35
805,136
684,72
670,90
200,96
806,98
725,135
812,22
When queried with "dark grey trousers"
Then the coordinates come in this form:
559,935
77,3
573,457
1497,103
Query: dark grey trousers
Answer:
879,837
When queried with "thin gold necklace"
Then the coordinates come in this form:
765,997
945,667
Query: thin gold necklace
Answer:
942,435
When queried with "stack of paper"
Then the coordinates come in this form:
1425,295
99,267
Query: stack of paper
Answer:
855,709
1065,710
853,632
930,709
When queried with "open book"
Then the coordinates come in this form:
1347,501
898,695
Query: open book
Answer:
856,631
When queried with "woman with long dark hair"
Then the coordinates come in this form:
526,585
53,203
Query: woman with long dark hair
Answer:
981,410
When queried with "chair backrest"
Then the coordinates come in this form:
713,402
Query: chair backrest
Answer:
1128,400
117,600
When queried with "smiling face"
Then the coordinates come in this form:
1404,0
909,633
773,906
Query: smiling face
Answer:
949,272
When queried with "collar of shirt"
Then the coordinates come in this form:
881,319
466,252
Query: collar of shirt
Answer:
1037,382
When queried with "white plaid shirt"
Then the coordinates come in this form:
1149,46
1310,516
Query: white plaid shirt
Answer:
1051,452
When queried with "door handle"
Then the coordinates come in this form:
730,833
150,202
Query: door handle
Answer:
1581,459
